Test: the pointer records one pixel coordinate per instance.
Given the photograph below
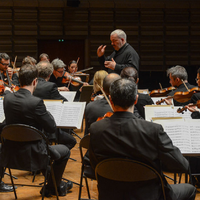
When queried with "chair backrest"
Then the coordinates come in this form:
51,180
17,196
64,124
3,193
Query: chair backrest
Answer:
84,143
24,148
21,133
119,169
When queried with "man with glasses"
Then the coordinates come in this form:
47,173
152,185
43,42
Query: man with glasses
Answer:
7,73
58,72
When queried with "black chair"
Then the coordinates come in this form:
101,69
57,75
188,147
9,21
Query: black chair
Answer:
86,169
13,157
126,170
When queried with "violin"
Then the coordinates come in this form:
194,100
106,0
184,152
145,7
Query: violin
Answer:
75,81
108,114
181,97
2,87
161,92
180,110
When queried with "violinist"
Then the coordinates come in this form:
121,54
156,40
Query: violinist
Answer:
72,67
178,78
4,64
100,107
58,72
124,136
143,99
196,96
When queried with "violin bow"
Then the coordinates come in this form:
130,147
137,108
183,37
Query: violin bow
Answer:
160,86
104,94
185,85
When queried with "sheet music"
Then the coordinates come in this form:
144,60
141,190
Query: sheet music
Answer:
2,116
67,114
164,111
185,135
69,95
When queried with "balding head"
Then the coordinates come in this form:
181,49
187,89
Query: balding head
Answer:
108,80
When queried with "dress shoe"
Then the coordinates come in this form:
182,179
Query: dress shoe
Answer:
62,189
5,188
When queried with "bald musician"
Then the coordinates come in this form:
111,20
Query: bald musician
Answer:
124,136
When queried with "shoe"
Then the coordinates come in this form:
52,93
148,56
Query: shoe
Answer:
5,188
64,188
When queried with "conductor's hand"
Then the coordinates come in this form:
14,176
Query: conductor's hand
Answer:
101,50
110,64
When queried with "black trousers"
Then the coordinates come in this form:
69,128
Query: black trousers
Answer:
60,153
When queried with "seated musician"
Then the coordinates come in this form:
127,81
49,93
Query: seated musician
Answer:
72,67
4,64
99,108
29,60
124,136
44,57
196,96
49,90
58,72
143,99
98,81
17,108
178,78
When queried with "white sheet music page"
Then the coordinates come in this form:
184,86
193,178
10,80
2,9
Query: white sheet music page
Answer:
72,114
185,135
2,116
69,95
67,114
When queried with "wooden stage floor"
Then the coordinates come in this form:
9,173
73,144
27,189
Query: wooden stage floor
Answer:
72,173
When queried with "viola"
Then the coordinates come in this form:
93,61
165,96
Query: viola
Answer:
2,87
75,81
180,110
161,92
108,114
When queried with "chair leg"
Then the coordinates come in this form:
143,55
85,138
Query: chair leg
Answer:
81,181
11,178
87,186
54,180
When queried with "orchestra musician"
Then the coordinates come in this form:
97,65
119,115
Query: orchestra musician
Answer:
58,72
196,96
72,67
124,54
49,90
100,107
143,99
123,135
17,108
29,60
98,81
44,57
178,78
4,64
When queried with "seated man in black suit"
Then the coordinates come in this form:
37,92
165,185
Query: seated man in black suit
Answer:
124,136
49,90
100,107
143,99
22,107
